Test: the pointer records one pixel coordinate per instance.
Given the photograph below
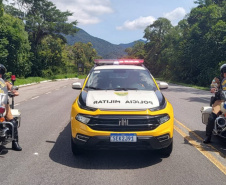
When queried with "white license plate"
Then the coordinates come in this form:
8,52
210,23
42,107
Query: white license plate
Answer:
123,138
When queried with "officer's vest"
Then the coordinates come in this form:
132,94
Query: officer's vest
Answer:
223,84
3,90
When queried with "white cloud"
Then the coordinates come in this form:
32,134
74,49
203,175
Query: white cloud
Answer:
139,23
85,11
176,15
142,22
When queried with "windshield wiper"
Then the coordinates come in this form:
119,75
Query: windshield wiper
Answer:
95,88
124,89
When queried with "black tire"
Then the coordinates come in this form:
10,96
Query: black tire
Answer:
166,151
75,149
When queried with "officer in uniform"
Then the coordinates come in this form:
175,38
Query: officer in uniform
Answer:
217,83
6,86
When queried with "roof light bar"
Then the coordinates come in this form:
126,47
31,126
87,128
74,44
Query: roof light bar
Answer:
119,61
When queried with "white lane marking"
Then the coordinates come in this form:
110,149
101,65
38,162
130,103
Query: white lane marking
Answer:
35,153
35,97
16,104
48,92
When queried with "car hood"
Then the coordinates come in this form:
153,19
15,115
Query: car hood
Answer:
124,100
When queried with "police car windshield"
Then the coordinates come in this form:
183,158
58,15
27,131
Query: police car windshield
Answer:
120,79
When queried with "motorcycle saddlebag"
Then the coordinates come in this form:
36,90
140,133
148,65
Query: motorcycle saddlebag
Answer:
206,111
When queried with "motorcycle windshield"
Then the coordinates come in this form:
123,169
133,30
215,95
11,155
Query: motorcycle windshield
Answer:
3,92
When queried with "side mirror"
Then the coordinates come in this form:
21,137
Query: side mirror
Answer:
163,85
76,85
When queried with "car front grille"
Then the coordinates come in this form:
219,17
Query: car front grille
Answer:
122,123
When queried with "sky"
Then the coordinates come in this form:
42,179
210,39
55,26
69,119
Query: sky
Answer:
122,21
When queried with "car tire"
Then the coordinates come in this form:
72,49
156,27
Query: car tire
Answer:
166,151
75,149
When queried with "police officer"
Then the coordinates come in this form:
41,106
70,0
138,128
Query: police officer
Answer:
9,116
217,83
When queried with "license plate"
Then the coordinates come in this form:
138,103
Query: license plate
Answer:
123,138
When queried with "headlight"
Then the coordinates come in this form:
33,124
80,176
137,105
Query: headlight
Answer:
221,122
163,119
83,119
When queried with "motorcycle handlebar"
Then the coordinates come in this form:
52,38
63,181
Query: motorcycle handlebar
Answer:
14,88
10,94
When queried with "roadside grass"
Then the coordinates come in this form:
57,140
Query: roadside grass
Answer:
22,81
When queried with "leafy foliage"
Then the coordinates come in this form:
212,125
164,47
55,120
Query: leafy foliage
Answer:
14,45
192,51
42,19
1,8
85,54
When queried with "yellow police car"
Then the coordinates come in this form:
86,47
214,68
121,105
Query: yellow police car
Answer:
121,106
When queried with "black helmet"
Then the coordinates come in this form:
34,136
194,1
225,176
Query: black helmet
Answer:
2,69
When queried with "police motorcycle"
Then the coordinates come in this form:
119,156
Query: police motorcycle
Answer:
6,127
220,122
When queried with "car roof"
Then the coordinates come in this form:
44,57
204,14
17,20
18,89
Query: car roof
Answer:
119,67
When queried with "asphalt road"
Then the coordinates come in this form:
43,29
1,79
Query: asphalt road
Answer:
46,157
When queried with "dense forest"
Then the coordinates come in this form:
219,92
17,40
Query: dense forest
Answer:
33,42
191,52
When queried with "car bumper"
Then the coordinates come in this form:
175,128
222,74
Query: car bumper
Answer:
103,142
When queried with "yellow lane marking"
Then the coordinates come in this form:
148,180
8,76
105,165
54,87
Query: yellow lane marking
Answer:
197,136
202,150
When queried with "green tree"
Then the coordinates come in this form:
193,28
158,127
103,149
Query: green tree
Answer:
84,53
156,34
52,58
14,45
137,51
13,11
1,8
42,19
201,48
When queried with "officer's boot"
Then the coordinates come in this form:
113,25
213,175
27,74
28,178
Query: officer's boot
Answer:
15,144
209,128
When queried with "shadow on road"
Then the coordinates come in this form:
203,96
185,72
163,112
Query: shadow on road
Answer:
3,151
198,99
216,144
201,99
102,159
179,88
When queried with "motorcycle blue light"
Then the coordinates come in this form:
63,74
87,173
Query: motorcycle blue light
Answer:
224,105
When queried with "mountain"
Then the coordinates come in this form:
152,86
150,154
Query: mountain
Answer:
129,45
104,48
